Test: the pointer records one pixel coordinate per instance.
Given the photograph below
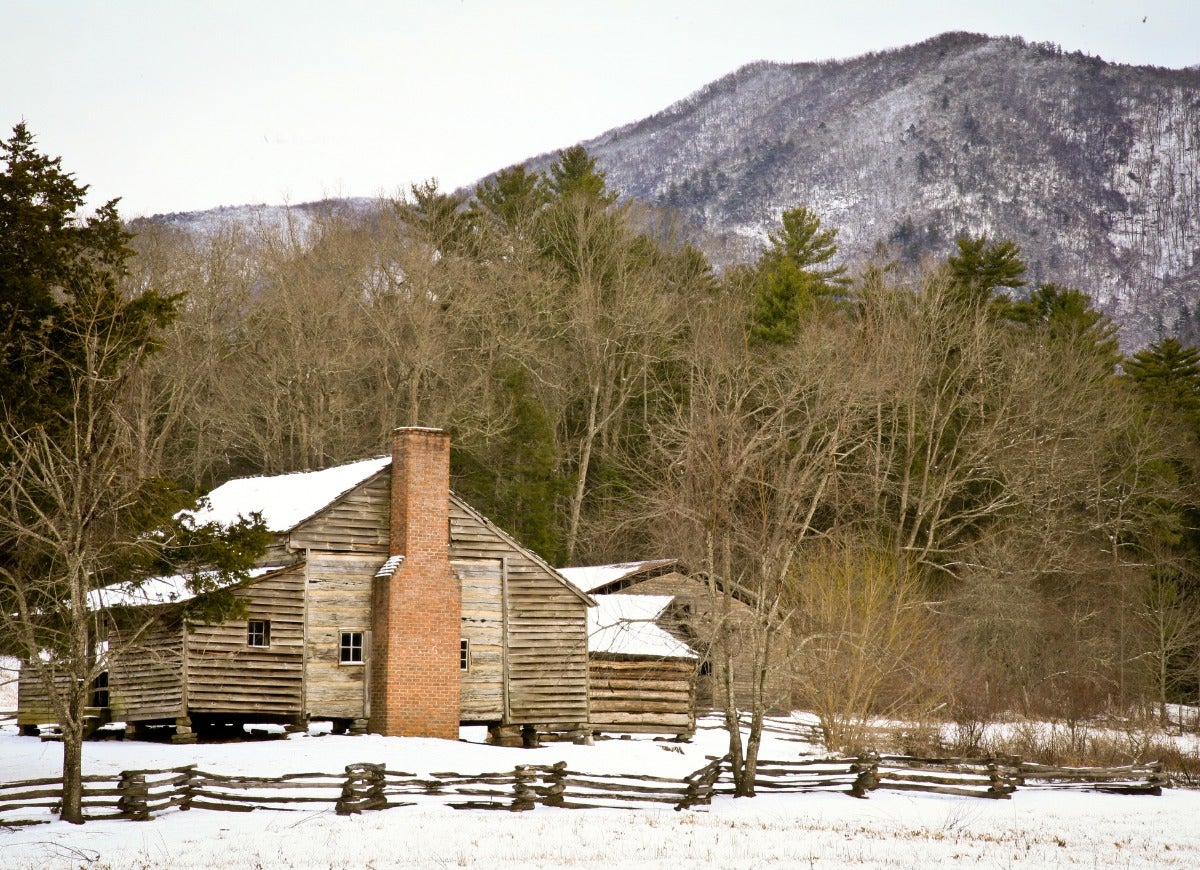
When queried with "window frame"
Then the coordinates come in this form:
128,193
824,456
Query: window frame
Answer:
345,634
464,655
263,634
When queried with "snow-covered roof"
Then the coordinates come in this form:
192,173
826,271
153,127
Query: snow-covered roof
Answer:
591,577
624,625
156,590
286,500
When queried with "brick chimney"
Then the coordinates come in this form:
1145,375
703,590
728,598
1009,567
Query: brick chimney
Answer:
417,610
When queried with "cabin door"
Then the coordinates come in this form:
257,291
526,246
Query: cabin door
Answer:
481,654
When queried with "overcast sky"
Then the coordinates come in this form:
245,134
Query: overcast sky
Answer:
176,105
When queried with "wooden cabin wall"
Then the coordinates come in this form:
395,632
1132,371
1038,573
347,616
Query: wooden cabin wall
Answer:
147,683
33,704
339,599
482,693
359,521
545,636
640,696
226,675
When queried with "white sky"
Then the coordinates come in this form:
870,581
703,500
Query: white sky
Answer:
178,105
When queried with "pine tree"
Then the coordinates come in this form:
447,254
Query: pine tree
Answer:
441,217
574,173
792,276
981,267
1067,316
1169,374
512,197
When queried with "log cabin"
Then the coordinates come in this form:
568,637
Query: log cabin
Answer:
696,613
642,679
386,604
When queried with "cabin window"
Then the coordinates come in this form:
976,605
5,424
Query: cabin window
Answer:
258,632
464,655
100,690
350,648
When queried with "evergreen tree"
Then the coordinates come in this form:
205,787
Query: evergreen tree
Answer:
441,217
575,173
48,258
793,275
513,477
1067,315
512,197
76,512
1169,374
981,267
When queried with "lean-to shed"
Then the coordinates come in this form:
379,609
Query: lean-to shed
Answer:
697,613
642,678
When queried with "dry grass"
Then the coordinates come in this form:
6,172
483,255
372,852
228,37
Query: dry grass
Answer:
1073,744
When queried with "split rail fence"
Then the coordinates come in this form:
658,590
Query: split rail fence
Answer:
144,794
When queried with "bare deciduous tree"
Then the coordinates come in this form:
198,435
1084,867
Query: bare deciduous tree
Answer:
76,515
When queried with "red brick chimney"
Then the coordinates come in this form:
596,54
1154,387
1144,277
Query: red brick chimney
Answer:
417,610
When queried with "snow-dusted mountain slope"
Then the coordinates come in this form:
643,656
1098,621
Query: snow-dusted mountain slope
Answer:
1093,168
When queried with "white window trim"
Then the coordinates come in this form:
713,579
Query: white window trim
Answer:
266,634
362,649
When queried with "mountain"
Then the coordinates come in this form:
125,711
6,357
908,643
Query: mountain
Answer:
1092,168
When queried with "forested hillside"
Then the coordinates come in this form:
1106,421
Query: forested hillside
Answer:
940,484
1093,168
936,474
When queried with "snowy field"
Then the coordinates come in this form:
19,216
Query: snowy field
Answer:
1033,829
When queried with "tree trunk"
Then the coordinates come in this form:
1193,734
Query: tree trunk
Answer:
72,771
733,725
585,459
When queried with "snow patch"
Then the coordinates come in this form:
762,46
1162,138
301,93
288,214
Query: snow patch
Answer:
285,500
624,625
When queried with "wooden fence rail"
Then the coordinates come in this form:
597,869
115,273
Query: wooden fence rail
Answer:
144,794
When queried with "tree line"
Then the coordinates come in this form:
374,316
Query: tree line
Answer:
943,489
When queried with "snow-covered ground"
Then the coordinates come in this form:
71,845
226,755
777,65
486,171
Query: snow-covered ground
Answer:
1034,829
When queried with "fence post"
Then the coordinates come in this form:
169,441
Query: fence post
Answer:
701,784
132,802
1158,779
524,797
554,780
188,787
1001,786
867,768
363,790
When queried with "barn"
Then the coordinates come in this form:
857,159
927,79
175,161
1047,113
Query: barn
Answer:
385,604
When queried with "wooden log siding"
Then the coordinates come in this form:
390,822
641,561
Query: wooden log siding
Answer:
225,675
545,625
640,696
482,692
147,683
358,521
33,704
338,599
